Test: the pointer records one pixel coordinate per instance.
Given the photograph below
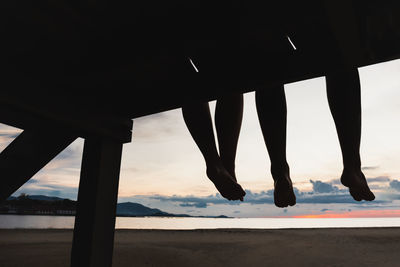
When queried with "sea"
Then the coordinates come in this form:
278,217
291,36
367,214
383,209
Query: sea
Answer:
173,223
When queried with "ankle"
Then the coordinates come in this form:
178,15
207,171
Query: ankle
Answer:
280,168
213,162
352,165
351,169
279,171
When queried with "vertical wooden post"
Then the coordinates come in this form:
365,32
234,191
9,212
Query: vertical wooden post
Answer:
97,198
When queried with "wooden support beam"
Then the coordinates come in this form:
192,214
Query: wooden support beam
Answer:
97,198
26,114
27,154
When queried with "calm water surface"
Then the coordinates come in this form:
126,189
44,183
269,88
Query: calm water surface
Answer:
62,222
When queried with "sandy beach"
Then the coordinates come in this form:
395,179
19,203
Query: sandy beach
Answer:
297,247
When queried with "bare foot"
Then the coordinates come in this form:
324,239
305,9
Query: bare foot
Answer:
357,184
231,170
283,193
225,183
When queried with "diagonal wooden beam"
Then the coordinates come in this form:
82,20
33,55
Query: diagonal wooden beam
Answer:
28,154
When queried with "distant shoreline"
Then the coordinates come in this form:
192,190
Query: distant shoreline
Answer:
124,216
54,206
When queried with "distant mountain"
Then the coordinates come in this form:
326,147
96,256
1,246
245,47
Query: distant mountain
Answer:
39,197
138,210
46,198
48,205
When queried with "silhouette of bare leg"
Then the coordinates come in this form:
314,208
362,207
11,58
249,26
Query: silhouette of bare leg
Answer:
228,120
343,90
198,120
271,109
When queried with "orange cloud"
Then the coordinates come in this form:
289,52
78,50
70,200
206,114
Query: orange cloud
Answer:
354,214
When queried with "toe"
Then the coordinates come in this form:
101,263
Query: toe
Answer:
292,200
283,200
240,192
368,195
280,205
355,194
283,194
279,202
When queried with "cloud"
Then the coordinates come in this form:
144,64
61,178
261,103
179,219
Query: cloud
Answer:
192,201
321,187
157,126
48,190
70,158
194,204
323,193
70,152
367,168
326,198
379,179
395,184
9,135
32,181
372,206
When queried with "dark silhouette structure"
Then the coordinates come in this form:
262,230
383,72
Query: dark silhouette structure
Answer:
74,69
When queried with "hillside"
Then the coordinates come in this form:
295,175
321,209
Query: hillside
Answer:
48,205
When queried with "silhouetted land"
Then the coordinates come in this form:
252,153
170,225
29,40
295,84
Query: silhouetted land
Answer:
45,205
38,205
290,247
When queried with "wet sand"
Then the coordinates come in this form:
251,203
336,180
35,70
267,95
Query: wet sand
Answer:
297,247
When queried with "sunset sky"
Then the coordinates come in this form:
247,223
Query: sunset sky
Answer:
162,168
